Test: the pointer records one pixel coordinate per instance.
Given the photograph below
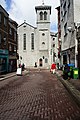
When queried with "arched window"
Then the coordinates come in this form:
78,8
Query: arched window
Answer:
32,41
46,60
24,41
45,15
41,15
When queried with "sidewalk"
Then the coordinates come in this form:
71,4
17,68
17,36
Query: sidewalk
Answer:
74,82
7,75
72,85
12,74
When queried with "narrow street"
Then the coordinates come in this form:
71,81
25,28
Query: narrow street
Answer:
39,95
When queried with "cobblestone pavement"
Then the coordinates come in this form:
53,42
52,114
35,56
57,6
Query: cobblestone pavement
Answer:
39,95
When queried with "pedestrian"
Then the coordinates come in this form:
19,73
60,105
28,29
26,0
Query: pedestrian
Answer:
53,68
19,65
23,66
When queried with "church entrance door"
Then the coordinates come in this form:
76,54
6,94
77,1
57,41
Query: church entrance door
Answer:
40,62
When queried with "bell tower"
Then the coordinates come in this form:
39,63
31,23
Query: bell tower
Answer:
43,16
43,25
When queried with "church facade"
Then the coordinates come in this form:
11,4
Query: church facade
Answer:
34,43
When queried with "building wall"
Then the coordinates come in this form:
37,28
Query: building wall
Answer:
29,57
76,4
12,45
28,54
42,44
69,17
4,17
8,54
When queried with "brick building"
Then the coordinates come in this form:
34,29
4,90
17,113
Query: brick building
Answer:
12,45
4,18
8,42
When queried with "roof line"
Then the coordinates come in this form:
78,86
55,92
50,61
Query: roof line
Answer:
27,24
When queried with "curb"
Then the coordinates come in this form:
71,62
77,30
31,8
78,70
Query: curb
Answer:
71,89
7,77
24,73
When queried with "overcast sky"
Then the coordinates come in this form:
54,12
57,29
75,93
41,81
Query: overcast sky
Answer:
20,10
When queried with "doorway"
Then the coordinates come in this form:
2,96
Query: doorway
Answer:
40,62
64,59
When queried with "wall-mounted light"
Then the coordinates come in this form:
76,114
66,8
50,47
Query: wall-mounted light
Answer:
70,29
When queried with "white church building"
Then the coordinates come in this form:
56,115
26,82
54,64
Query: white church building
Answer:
34,43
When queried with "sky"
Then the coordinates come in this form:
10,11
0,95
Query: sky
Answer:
20,10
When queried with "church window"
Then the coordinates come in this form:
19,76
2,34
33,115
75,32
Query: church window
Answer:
43,43
46,60
43,34
32,41
45,15
41,15
24,43
24,26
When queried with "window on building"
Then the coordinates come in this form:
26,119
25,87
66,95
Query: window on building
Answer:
43,43
41,15
14,48
17,41
10,47
32,41
5,21
0,38
53,45
45,15
10,31
43,34
5,40
68,8
14,35
65,8
0,17
53,39
24,41
46,60
65,29
68,2
61,15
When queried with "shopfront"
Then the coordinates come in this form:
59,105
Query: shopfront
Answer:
3,61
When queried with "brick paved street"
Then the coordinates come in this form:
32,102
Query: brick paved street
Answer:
39,95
